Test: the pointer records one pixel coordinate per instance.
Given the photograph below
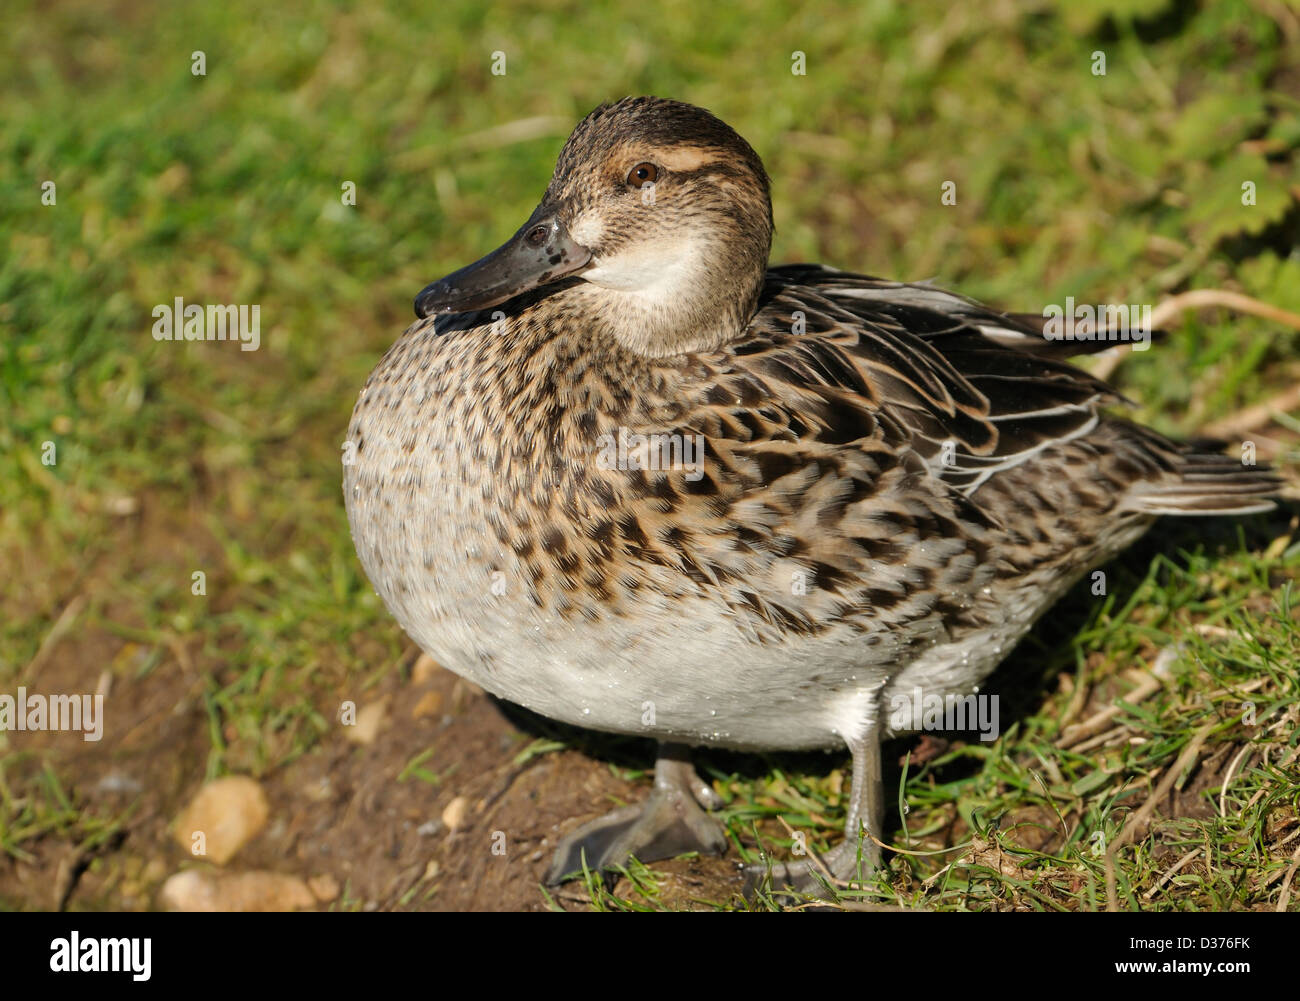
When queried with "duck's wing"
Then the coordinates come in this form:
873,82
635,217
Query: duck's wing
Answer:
968,390
993,391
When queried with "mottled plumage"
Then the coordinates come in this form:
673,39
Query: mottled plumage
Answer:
894,482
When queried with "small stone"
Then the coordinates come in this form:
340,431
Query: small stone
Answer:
243,891
425,669
324,887
455,813
119,504
227,813
429,705
369,719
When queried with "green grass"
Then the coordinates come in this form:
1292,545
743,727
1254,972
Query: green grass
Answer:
225,188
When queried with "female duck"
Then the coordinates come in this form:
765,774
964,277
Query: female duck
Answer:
887,485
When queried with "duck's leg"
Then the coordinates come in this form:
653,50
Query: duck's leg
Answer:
672,821
858,855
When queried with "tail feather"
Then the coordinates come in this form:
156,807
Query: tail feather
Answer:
1202,483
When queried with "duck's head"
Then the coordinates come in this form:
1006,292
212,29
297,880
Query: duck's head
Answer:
662,214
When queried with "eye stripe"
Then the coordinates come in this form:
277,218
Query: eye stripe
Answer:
687,159
716,167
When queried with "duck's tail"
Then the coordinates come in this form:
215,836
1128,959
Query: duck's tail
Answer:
1199,482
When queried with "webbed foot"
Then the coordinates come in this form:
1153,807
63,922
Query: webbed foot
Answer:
849,861
855,858
671,822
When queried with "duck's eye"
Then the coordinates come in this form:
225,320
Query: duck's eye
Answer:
642,173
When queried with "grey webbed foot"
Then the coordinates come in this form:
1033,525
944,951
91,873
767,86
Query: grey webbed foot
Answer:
849,861
856,857
671,822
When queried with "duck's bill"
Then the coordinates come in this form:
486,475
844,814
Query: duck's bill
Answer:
540,253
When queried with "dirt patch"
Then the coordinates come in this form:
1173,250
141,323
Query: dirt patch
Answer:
368,817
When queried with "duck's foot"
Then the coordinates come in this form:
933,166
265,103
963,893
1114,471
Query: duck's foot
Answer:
671,822
854,859
849,861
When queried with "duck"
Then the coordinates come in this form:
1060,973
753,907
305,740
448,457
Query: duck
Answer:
625,473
